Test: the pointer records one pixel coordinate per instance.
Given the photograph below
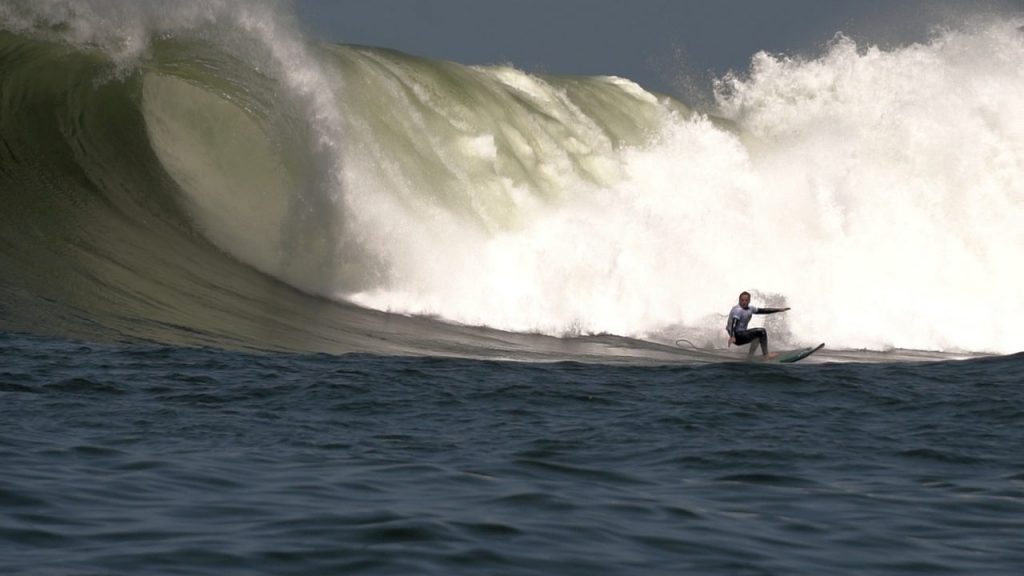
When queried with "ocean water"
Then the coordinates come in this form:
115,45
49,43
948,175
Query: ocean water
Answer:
128,459
274,306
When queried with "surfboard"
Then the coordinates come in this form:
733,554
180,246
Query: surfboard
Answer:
791,356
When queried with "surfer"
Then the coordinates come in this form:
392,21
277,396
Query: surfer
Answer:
739,316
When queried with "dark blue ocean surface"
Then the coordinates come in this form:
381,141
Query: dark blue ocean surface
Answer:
136,459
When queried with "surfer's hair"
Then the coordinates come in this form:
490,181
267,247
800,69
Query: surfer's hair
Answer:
744,293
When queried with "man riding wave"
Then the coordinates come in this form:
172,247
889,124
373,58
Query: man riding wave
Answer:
739,317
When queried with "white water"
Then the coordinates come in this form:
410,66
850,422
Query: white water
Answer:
879,193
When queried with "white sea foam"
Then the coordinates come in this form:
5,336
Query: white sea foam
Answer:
879,192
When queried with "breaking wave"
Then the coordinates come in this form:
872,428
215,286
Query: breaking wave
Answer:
206,174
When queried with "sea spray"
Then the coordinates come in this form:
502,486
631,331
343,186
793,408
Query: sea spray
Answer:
898,175
877,190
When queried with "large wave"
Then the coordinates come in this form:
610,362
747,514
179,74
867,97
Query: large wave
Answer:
164,171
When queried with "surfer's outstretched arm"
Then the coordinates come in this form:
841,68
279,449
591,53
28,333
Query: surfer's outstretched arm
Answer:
770,310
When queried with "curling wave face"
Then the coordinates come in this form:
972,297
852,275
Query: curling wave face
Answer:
220,180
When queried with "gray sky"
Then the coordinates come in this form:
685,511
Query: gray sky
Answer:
657,43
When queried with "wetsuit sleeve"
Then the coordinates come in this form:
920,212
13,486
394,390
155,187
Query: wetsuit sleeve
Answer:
730,326
767,310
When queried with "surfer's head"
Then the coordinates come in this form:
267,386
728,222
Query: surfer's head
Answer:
744,299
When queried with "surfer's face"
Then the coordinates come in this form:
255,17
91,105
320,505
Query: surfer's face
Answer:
744,301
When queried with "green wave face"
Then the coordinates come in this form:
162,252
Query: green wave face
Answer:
194,197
